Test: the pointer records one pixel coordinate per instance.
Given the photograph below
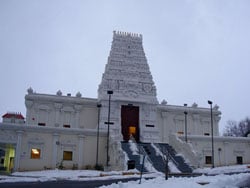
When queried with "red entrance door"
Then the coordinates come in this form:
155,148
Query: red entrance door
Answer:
130,122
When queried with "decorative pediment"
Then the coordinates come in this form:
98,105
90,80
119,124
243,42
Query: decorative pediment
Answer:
43,107
36,141
68,109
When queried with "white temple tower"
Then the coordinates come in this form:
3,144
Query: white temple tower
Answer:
134,101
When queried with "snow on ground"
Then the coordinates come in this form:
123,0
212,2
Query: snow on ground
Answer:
133,147
224,169
74,175
219,179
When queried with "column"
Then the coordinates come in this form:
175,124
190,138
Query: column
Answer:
226,155
18,150
164,127
80,151
196,125
28,105
216,125
58,106
77,117
55,149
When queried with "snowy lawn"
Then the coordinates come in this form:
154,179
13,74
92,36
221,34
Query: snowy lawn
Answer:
218,180
224,169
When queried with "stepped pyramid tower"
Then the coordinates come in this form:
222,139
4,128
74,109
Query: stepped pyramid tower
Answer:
133,102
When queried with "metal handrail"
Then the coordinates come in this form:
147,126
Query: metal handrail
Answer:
141,150
171,157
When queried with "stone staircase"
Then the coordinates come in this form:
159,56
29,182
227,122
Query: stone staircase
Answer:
156,156
157,160
131,155
175,158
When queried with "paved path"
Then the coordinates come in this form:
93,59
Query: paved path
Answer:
64,184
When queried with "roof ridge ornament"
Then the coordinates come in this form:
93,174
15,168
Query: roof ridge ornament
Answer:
59,93
78,94
30,90
194,105
127,34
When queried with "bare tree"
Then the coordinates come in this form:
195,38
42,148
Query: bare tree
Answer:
244,127
237,129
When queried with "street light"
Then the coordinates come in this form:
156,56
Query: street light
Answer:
212,131
109,92
98,128
185,112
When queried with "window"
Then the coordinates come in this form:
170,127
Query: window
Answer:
150,126
67,155
41,124
66,126
239,160
208,160
35,153
180,132
206,134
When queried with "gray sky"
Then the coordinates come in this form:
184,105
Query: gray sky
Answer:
196,49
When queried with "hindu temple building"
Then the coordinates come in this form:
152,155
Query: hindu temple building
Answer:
125,121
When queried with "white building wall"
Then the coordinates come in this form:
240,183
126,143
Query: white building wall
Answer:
60,111
52,137
226,149
52,142
171,120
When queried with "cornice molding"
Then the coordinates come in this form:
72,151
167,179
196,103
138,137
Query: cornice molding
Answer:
52,130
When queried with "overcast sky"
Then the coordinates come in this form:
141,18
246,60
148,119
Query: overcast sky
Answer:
196,49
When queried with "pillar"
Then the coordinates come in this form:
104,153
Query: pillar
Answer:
28,105
18,151
77,117
164,127
196,125
58,106
55,149
227,154
80,151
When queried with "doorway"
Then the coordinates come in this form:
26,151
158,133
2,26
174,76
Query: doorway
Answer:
7,154
239,160
130,122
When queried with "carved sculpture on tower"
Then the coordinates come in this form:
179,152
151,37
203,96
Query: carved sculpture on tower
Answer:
128,75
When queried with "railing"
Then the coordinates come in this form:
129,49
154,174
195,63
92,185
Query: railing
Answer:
148,161
165,155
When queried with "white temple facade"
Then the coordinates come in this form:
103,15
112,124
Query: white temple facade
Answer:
72,132
127,74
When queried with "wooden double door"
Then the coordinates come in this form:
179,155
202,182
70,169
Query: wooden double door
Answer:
130,122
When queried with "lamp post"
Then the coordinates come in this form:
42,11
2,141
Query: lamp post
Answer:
109,92
185,112
212,131
98,128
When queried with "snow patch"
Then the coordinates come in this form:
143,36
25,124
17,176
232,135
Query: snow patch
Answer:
215,181
133,148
